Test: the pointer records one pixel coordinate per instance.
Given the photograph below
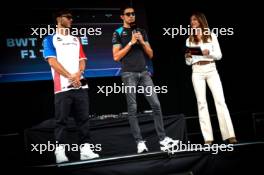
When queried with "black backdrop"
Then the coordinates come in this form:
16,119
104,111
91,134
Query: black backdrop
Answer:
26,104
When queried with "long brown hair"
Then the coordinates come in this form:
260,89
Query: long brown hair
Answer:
204,27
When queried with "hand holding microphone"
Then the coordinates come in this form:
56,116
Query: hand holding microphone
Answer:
140,38
136,35
137,38
133,39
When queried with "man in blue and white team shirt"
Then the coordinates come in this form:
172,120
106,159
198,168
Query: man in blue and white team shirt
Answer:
65,55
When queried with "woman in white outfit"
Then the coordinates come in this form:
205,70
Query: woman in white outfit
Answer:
204,72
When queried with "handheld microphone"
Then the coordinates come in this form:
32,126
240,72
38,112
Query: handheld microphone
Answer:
133,27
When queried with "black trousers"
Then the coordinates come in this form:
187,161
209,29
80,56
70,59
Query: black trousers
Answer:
74,102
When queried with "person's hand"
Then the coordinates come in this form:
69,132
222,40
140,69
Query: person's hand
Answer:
74,79
205,52
140,38
76,84
134,38
188,55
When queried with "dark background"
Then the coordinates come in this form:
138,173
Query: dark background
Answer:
26,104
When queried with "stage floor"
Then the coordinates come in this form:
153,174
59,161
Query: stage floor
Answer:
244,158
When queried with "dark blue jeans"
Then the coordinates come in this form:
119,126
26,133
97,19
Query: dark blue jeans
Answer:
142,79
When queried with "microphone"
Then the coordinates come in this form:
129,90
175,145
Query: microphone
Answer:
133,27
83,82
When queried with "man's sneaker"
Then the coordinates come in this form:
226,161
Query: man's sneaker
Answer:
86,152
60,154
167,143
141,147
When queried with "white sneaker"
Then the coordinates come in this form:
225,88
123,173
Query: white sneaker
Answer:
141,147
167,143
60,154
86,153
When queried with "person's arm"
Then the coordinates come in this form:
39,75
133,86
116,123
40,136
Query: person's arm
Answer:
76,77
50,56
82,65
73,78
82,62
58,67
118,51
215,52
147,49
143,40
188,55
